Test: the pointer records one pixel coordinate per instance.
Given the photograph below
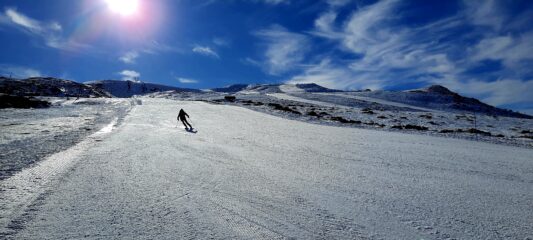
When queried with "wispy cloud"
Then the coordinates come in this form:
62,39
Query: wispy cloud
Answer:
284,49
327,74
500,92
206,3
186,80
129,75
156,47
18,71
129,57
151,47
206,51
223,42
485,13
338,3
385,53
49,32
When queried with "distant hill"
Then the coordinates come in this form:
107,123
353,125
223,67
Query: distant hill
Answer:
120,88
47,86
274,88
231,88
441,98
434,97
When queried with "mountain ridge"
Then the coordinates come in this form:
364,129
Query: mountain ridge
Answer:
434,96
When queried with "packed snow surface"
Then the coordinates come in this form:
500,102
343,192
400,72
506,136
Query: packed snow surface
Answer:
251,175
30,135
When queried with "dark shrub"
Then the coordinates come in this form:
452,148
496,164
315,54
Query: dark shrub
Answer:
283,108
415,127
343,120
446,131
367,111
426,116
477,131
230,98
7,101
313,113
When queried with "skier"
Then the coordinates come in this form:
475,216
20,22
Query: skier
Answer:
182,116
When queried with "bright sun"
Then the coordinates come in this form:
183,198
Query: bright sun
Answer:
123,7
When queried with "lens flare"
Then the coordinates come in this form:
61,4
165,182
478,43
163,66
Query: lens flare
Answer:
123,7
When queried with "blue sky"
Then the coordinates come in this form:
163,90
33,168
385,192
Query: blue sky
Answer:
482,49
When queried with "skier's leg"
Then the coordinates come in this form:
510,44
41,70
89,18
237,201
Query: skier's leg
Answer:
188,123
182,121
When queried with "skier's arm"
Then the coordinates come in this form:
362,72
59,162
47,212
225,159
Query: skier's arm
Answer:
187,115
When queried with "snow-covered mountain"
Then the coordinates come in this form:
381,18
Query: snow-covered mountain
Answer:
48,86
439,98
119,88
274,88
435,97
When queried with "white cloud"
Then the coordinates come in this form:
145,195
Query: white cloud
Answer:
56,26
155,47
338,3
387,53
251,62
484,13
206,51
49,32
24,21
325,25
223,42
129,57
330,75
129,75
18,71
186,80
500,92
512,50
284,49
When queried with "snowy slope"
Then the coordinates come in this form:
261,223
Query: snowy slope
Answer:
250,175
432,98
440,98
382,101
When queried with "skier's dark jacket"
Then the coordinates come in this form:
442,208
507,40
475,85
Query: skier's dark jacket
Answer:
182,114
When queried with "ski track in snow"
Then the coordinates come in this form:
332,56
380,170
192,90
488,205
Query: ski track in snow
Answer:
250,175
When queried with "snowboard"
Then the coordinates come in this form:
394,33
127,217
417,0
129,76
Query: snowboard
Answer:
192,130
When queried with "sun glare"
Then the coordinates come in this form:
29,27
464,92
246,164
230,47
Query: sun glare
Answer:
123,7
